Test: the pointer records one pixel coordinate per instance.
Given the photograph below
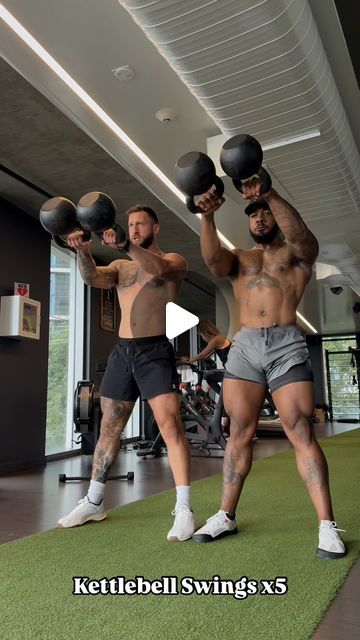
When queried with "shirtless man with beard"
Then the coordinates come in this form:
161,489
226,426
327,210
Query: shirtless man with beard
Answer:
270,350
142,362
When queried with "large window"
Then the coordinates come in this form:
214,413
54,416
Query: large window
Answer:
342,378
65,349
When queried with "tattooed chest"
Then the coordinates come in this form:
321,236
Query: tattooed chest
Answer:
262,280
277,274
134,275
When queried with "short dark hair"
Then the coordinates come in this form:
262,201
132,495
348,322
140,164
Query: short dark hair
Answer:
143,207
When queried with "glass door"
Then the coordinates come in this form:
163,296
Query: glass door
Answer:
342,370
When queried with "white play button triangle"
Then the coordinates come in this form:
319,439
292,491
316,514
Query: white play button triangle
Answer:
178,320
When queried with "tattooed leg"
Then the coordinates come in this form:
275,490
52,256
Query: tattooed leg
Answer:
295,404
243,401
237,464
115,416
312,466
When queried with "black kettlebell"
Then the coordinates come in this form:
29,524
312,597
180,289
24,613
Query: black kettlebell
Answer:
195,174
241,157
58,217
96,212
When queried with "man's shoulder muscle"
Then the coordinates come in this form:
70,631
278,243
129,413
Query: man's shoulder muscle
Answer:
120,264
176,259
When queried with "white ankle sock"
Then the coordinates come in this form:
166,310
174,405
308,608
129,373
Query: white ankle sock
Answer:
96,491
325,522
183,497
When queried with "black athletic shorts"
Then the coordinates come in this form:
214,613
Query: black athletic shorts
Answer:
140,366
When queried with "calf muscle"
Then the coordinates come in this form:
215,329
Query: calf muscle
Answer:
115,416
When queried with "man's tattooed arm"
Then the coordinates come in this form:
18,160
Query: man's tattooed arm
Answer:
301,240
101,277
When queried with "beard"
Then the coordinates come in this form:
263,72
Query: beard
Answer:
145,243
265,238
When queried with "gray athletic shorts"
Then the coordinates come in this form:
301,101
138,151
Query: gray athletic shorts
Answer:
272,356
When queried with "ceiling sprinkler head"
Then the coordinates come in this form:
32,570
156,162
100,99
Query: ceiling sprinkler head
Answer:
124,73
166,115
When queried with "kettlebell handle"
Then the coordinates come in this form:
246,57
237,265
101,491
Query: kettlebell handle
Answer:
264,177
191,202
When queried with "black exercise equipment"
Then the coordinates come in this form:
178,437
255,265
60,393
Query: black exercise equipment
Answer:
241,158
203,431
58,217
87,413
96,212
87,418
195,174
64,478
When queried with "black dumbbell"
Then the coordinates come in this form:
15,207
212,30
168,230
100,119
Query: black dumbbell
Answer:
241,158
195,174
96,212
58,217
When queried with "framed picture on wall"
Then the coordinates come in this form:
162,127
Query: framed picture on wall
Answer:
107,309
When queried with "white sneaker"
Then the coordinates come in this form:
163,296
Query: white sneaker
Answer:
84,512
218,526
330,543
184,524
